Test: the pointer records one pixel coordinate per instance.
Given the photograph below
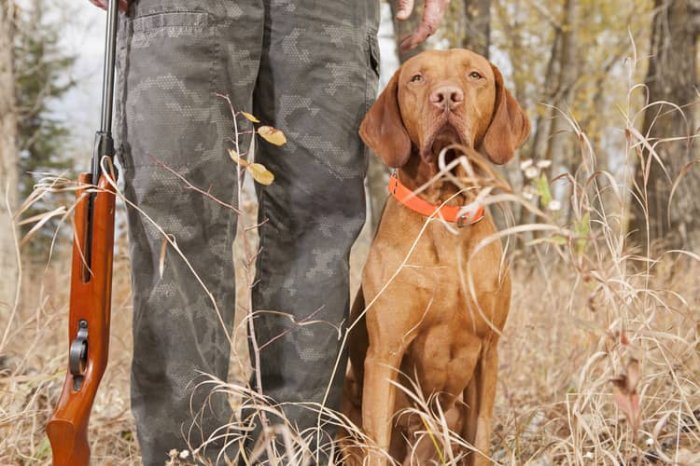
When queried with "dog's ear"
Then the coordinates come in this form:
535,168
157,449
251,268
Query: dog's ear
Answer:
509,127
382,128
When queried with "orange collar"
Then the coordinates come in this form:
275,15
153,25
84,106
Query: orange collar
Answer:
461,215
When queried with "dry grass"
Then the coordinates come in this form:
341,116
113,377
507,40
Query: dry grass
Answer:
600,359
555,401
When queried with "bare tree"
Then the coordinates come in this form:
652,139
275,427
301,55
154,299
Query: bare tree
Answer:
477,35
672,82
8,155
551,139
560,149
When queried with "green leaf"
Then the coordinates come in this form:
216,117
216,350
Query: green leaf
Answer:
43,450
559,240
542,189
582,228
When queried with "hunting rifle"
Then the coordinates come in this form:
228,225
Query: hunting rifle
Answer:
91,283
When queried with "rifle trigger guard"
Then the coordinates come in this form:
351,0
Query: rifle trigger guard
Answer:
77,355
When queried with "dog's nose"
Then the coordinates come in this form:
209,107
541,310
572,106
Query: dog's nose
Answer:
447,97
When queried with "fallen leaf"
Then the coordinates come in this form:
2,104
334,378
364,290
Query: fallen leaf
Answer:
261,174
272,135
250,117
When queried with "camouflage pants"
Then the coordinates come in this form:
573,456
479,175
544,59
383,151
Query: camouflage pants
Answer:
306,67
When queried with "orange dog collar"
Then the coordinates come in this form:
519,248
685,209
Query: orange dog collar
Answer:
461,215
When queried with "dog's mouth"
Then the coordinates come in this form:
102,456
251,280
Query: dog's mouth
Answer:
444,135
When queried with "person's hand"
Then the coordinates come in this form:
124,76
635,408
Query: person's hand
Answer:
123,4
433,12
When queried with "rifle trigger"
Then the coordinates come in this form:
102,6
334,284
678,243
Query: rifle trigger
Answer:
77,355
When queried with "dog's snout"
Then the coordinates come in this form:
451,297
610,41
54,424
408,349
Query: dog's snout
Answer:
447,97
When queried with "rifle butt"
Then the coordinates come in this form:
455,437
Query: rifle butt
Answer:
69,443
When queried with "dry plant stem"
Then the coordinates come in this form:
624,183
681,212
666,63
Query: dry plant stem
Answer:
206,194
250,277
301,323
56,184
15,304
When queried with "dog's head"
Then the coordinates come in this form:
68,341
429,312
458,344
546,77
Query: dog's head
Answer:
438,98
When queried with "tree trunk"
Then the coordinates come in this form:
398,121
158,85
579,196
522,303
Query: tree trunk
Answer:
8,157
543,122
538,147
560,149
477,36
671,77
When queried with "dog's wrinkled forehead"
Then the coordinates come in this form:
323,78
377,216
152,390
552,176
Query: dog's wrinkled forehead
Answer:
446,64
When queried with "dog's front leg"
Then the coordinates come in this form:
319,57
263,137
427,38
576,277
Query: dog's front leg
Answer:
481,396
378,399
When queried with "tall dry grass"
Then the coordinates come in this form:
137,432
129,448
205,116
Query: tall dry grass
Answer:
600,358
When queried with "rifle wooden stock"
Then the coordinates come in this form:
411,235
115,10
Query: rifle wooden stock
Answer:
90,296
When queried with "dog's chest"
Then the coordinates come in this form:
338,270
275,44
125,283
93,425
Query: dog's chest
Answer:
432,277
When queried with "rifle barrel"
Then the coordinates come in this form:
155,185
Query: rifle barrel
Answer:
107,86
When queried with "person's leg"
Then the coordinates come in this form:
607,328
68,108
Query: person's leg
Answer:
174,57
318,76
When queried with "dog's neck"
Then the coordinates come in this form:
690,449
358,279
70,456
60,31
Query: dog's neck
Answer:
417,172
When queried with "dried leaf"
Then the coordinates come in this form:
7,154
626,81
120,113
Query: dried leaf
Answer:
625,393
261,174
236,158
272,135
628,402
623,338
250,117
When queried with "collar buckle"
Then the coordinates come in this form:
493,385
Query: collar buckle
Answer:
462,221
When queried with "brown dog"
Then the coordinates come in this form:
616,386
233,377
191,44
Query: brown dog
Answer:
420,318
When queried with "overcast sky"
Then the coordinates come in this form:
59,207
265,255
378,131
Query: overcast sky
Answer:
82,35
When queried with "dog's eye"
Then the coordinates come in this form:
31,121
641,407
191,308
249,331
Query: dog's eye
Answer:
417,78
475,75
